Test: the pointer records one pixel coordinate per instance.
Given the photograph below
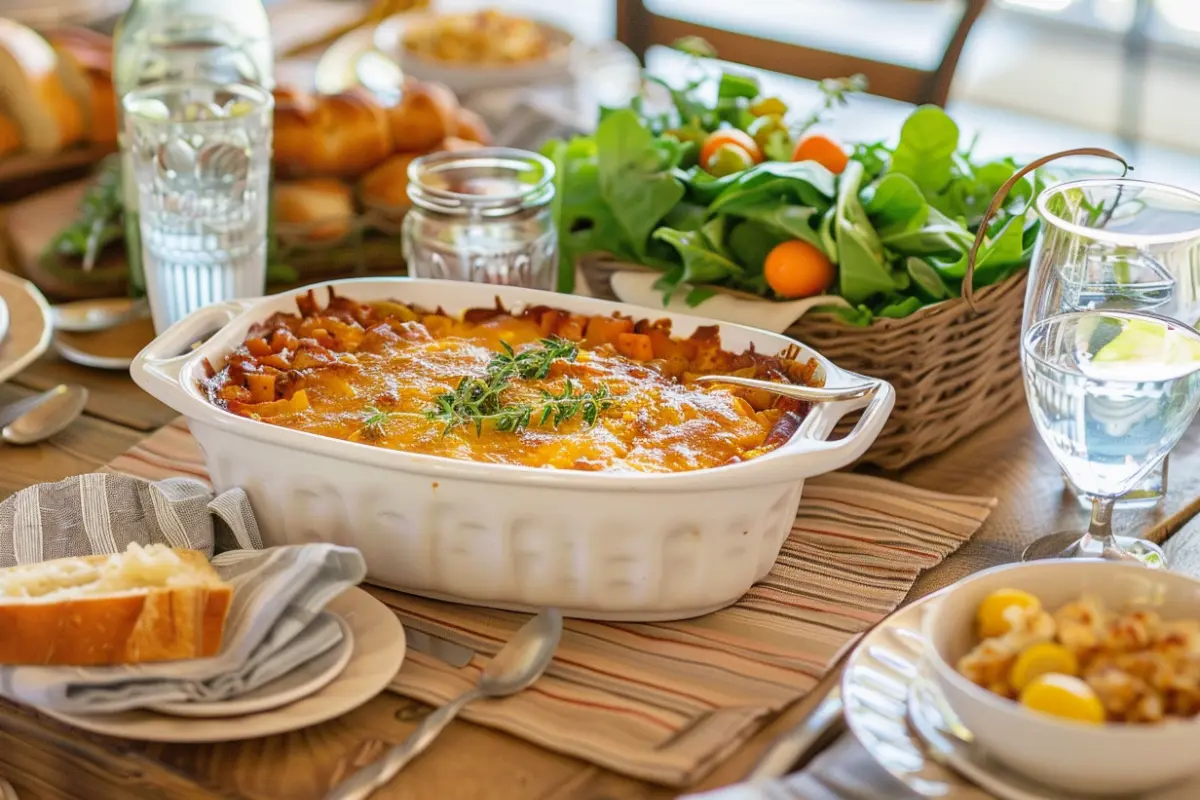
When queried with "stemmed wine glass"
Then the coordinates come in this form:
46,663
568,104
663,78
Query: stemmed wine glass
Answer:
1108,350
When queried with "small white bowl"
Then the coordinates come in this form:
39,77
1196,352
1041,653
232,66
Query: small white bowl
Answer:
1103,759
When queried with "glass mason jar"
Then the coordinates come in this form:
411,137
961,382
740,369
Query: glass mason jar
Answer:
484,216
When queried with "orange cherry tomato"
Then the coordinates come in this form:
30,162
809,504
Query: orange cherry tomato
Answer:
798,269
820,148
728,159
730,136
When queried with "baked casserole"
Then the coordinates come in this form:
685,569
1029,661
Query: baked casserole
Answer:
536,387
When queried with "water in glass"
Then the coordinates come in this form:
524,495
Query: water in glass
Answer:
201,156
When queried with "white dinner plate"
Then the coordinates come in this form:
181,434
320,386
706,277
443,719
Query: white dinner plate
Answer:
378,652
875,691
25,327
304,680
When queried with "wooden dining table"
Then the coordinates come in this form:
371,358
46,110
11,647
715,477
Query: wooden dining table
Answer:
44,758
47,759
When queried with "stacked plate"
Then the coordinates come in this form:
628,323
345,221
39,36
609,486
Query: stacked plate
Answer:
332,684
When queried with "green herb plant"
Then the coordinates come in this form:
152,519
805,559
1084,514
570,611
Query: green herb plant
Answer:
476,400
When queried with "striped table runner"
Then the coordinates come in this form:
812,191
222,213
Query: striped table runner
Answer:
667,701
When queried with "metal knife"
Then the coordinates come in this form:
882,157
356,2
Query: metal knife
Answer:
792,750
444,650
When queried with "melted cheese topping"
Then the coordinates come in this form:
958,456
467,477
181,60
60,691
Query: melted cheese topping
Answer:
327,373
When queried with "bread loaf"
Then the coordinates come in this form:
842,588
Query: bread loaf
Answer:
10,137
425,115
321,209
470,126
85,66
146,604
386,186
33,92
340,135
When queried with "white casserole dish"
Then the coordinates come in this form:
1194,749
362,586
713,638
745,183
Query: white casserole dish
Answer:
598,545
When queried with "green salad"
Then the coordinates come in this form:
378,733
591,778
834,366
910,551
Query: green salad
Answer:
725,188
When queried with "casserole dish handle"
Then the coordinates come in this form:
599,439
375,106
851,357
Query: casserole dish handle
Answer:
841,452
156,369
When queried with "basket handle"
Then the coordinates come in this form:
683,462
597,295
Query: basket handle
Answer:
968,286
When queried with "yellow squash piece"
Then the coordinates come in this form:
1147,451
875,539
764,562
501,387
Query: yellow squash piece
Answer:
1044,658
990,617
1063,696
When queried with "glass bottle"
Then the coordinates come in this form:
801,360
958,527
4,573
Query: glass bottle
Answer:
224,41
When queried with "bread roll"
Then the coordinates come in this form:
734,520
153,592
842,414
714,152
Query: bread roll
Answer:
386,186
470,126
146,604
340,135
33,92
85,66
321,209
10,137
425,115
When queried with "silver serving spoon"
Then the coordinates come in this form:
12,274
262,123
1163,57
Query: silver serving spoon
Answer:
518,664
89,316
813,394
38,418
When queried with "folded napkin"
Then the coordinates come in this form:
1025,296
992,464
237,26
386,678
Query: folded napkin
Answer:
275,621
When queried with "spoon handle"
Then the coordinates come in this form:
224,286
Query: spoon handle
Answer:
365,781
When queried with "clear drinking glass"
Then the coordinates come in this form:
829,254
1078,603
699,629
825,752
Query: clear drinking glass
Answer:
484,216
1112,251
201,155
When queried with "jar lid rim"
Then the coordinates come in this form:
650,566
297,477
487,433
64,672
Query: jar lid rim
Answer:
447,201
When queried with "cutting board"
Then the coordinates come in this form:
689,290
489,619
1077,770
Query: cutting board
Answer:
29,227
22,174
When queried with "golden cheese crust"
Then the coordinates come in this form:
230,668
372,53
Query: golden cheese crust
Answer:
373,373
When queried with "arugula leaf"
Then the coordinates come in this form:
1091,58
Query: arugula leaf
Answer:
938,235
701,264
698,295
899,307
686,216
859,316
794,222
733,85
997,256
804,183
895,203
715,234
927,280
749,243
925,153
637,185
861,270
585,222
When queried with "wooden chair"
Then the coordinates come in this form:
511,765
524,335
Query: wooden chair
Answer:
639,29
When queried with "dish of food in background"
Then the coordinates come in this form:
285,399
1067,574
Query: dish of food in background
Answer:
377,654
1132,660
24,343
558,390
111,348
477,50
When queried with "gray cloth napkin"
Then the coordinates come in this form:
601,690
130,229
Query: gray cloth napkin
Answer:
275,621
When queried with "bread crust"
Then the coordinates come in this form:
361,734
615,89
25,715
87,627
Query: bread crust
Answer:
341,135
33,91
136,626
321,208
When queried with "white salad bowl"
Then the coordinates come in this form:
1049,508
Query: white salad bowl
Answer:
1110,759
602,545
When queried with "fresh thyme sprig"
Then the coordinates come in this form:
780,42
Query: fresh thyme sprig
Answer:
476,400
375,424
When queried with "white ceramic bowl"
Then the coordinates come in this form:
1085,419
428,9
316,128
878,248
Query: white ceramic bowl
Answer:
604,545
466,78
1101,760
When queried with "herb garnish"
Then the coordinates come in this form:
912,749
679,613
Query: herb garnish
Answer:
477,399
375,424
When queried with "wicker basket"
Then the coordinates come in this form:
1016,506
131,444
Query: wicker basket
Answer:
954,369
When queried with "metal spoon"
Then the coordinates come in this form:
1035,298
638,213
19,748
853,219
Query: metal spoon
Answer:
518,664
37,418
813,394
89,316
